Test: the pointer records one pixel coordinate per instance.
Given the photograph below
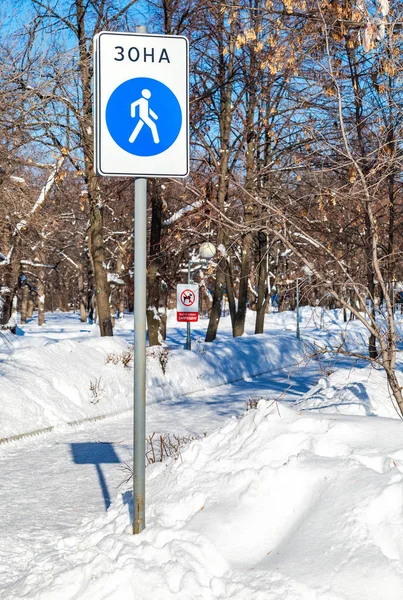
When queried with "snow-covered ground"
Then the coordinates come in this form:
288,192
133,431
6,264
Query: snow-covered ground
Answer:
299,498
64,372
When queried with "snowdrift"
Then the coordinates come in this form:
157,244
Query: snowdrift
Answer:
43,386
293,501
279,505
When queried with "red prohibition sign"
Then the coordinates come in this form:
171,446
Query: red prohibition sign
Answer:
188,297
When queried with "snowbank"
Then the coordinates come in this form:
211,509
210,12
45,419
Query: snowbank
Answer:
217,363
48,383
360,390
279,505
301,503
58,374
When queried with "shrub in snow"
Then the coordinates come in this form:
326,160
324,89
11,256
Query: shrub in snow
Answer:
160,448
124,358
161,353
96,389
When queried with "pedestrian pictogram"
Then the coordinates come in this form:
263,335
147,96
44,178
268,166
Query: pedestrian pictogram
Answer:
143,116
141,105
146,114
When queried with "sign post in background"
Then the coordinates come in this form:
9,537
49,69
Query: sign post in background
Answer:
187,302
187,306
141,129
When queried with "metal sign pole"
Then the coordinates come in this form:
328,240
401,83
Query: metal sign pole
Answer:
140,302
139,433
297,302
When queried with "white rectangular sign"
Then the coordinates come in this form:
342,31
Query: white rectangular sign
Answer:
187,302
141,106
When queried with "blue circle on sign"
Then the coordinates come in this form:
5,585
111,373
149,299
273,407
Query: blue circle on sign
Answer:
143,116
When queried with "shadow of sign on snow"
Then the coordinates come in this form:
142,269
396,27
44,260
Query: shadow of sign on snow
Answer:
127,498
96,453
228,401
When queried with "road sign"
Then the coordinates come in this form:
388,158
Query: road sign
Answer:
187,302
141,110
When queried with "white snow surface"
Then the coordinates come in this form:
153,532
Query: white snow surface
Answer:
277,505
46,379
300,498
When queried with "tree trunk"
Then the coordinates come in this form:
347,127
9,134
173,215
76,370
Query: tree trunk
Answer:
121,306
250,185
6,294
230,294
5,304
262,288
395,388
112,311
30,308
153,317
24,304
14,314
215,313
239,321
41,297
371,288
41,305
97,250
164,326
92,317
96,246
120,291
81,294
225,79
154,269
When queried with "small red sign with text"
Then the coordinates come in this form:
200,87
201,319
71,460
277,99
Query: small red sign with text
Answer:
187,317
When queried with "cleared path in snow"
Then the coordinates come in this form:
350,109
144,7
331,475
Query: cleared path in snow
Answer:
50,483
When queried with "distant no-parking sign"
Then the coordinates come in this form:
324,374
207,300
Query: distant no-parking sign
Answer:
187,303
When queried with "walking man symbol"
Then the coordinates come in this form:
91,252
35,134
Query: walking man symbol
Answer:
146,114
143,116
